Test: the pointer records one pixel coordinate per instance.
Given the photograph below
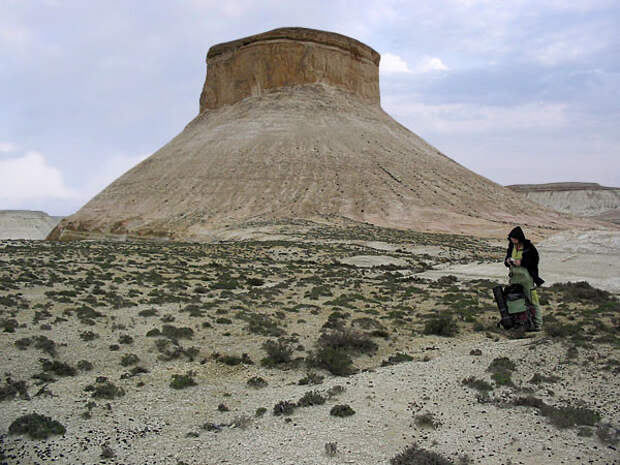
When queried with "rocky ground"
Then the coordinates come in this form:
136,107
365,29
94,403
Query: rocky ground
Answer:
311,345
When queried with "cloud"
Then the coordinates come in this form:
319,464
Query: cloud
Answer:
6,147
31,177
393,64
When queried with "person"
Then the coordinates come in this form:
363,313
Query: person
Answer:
522,259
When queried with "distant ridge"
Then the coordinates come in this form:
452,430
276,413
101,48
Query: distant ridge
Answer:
26,224
585,199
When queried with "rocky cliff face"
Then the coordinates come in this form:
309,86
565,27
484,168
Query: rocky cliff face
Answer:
287,57
583,199
290,127
26,224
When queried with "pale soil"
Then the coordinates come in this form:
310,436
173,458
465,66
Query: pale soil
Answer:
151,422
592,256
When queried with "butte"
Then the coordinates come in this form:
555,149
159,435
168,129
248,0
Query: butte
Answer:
290,127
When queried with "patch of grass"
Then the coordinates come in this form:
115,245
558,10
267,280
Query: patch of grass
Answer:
442,325
501,369
36,426
341,410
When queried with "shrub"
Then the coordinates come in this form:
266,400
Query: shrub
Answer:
427,420
58,368
337,361
501,369
233,360
255,281
174,333
105,390
278,353
478,384
12,388
348,340
442,325
311,398
399,357
284,407
46,345
36,426
311,378
223,408
341,410
262,325
562,417
125,339
129,359
148,312
260,412
257,382
413,455
88,336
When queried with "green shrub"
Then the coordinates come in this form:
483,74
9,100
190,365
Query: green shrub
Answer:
348,340
36,426
174,333
399,357
342,410
257,382
478,384
284,407
337,361
105,390
182,381
129,359
413,455
278,353
442,325
58,368
311,398
311,378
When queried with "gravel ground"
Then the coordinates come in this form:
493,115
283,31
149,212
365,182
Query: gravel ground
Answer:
150,425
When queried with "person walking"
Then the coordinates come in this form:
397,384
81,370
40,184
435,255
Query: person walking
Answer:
522,260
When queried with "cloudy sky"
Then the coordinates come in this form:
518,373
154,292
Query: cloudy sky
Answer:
519,91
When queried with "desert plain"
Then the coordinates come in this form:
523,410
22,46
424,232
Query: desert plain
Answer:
306,343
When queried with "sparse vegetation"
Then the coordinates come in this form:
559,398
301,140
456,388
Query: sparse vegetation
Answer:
182,381
341,410
36,426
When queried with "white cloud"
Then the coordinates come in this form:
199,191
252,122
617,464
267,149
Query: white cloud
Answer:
392,64
6,147
429,64
31,177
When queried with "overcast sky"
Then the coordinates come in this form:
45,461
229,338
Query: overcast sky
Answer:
518,91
